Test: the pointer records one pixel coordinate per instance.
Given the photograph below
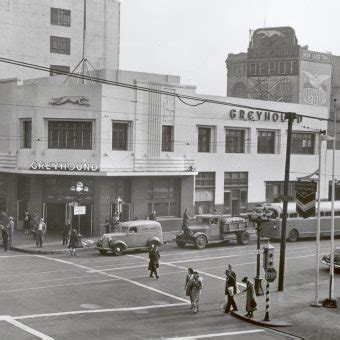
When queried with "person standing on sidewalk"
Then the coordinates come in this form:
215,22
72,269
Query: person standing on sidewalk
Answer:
153,260
27,223
230,290
196,288
66,231
10,229
73,242
4,232
251,297
39,233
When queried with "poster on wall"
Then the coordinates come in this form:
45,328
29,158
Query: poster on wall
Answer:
315,83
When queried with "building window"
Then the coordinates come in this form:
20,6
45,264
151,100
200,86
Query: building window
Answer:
167,138
26,133
234,141
60,45
204,139
303,143
120,135
62,68
164,196
60,17
204,192
240,90
70,135
266,141
235,193
274,191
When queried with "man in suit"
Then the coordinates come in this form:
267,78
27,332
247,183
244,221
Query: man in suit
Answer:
39,233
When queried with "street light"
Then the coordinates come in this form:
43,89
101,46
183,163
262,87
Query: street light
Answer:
258,216
79,189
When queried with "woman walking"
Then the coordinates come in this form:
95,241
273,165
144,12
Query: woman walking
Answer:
196,288
251,297
187,286
230,290
153,260
73,242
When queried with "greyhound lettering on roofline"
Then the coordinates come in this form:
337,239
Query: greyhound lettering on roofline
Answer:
80,100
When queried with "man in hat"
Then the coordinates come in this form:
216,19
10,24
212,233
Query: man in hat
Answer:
4,232
39,233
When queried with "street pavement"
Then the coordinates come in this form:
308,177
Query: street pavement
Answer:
106,297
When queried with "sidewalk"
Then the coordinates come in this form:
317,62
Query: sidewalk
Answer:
292,309
53,243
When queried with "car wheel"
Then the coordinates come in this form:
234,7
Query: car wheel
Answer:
200,242
117,249
180,243
243,238
293,235
103,252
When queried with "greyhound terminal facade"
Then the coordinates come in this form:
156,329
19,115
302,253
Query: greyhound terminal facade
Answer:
151,150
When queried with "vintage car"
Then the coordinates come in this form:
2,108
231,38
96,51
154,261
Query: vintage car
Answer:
212,228
326,259
131,235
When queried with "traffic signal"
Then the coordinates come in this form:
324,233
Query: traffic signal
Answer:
268,256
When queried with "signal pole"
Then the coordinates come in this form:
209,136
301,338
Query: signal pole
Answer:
290,116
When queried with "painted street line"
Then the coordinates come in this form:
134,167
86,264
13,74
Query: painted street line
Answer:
94,311
204,336
35,273
117,277
55,286
25,328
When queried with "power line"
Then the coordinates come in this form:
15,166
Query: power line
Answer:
146,89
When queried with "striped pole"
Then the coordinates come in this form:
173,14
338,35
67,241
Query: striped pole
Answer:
267,317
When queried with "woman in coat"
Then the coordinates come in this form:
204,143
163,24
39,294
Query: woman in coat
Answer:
73,242
196,287
230,290
251,297
187,286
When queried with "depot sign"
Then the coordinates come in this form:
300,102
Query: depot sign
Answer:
64,166
253,115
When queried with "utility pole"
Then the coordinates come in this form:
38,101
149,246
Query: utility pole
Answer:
290,116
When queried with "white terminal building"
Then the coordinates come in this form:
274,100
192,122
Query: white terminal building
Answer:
151,150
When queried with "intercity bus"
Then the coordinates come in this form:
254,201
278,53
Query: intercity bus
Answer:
298,227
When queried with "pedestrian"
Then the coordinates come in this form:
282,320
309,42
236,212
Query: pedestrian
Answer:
4,233
230,290
107,227
115,221
196,288
66,231
39,233
27,223
251,303
153,260
152,216
187,286
10,229
73,242
186,219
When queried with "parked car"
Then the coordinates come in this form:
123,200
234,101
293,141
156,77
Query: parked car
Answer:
131,235
212,228
326,259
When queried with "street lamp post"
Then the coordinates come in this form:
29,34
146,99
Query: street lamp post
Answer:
79,189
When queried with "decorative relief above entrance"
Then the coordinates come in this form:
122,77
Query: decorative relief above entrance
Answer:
80,100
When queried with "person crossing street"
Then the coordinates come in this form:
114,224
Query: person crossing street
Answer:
153,260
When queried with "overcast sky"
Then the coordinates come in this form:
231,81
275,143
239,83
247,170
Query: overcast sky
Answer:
192,38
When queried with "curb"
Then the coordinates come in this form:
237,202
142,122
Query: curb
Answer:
274,323
46,251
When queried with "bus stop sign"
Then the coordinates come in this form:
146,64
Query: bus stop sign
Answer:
270,274
305,198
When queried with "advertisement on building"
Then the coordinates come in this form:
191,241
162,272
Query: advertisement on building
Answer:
315,83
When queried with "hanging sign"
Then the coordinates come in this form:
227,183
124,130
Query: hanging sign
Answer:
305,198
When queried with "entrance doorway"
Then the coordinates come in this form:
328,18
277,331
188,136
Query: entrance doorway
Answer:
55,215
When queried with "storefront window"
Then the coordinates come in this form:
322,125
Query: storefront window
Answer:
274,191
204,192
164,196
235,193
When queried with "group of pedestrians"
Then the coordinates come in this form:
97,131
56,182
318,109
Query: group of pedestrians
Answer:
231,290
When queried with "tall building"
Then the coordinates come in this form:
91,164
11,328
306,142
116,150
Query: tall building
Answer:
50,33
277,68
